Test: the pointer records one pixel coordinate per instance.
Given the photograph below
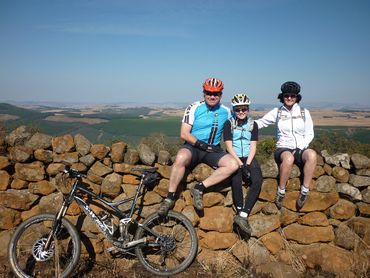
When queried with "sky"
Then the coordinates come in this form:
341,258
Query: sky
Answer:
161,51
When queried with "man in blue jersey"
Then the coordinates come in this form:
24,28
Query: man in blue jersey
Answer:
201,128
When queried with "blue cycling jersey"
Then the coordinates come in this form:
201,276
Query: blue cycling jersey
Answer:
207,122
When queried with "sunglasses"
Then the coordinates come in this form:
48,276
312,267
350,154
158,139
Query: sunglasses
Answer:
238,110
215,94
290,95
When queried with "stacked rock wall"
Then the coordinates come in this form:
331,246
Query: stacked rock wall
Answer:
331,231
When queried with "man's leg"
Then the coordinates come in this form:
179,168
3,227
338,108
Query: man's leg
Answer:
183,159
226,166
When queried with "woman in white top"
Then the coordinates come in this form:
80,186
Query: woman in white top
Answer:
294,128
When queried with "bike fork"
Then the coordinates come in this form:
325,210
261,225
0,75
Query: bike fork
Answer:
56,226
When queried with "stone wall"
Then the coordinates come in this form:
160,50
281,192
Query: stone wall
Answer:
331,231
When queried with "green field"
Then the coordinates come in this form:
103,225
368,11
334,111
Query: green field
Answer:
129,125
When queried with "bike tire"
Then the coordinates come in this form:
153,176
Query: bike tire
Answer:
25,248
179,233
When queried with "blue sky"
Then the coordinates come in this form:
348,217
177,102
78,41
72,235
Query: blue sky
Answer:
162,50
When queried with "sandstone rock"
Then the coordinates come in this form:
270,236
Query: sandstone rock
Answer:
363,172
328,169
360,161
100,169
63,144
340,159
360,225
270,208
342,210
293,184
151,198
162,187
131,157
316,201
202,171
80,167
118,151
345,237
163,170
314,219
340,174
51,203
215,240
18,136
9,218
276,269
213,199
325,184
147,156
268,190
124,206
263,224
148,210
4,180
190,213
4,241
4,162
319,171
258,253
218,219
20,153
17,199
29,213
269,169
99,151
111,185
65,158
131,179
241,251
41,187
83,145
122,168
329,258
19,184
273,242
220,262
307,235
287,216
88,160
349,190
364,209
55,168
359,181
30,171
164,157
39,141
43,155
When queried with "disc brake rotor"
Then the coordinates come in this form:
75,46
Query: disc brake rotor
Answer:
39,252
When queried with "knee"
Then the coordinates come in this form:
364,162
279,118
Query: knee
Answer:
311,156
181,159
288,160
232,164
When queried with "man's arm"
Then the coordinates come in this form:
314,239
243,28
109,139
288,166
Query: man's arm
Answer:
185,133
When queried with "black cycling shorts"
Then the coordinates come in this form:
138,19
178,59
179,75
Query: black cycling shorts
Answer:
297,156
199,156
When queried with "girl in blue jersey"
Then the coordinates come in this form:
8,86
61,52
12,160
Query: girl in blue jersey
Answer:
241,136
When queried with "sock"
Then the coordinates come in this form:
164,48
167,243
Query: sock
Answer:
171,195
243,214
200,186
281,190
304,190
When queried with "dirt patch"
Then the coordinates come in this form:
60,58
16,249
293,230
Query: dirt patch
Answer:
65,119
7,117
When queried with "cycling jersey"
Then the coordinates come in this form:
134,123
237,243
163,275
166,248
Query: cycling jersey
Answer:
241,135
293,129
207,122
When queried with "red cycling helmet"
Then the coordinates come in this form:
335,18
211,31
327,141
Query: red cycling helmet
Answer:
213,85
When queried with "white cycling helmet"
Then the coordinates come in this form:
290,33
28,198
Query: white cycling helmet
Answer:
240,99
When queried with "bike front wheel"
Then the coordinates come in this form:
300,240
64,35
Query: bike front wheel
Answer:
171,248
28,255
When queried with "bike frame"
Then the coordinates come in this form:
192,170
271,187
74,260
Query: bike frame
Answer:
125,218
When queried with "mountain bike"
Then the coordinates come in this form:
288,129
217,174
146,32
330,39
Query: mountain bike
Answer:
48,245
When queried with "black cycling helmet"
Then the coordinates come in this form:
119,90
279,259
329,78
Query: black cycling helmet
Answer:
290,87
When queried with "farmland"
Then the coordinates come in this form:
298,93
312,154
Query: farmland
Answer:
104,124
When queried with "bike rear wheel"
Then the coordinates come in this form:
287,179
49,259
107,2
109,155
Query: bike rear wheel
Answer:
27,255
173,250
